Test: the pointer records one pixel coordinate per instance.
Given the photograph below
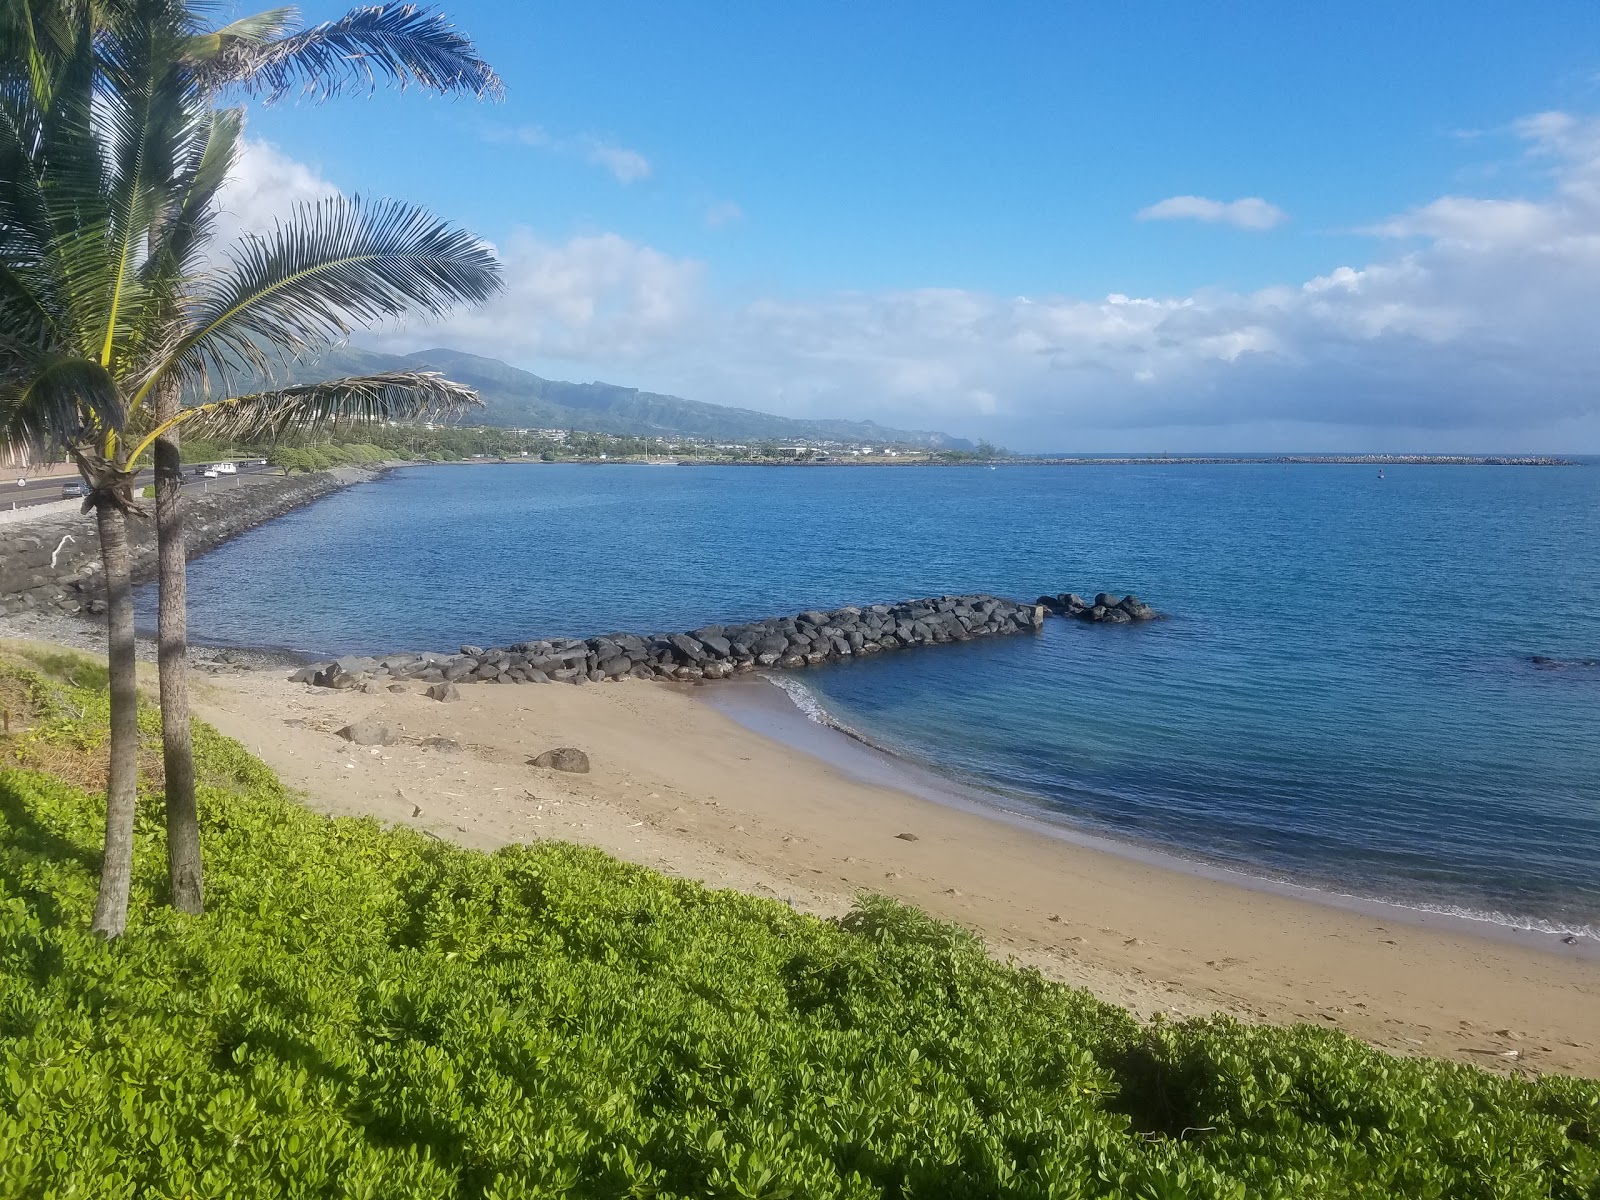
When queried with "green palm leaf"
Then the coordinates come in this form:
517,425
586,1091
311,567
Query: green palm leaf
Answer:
395,395
336,264
400,44
49,401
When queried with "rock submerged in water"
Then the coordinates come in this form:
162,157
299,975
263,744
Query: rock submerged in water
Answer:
1545,663
1106,608
714,652
563,758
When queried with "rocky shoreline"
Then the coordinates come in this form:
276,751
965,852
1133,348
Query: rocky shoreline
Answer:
720,651
50,570
54,562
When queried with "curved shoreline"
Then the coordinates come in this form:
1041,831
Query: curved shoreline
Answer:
269,498
679,786
786,711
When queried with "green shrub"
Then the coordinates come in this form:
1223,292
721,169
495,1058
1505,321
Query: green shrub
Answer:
369,1012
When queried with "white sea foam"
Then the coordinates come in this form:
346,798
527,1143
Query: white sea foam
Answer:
1490,917
806,701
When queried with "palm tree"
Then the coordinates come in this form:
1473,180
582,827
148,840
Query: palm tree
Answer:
266,55
113,155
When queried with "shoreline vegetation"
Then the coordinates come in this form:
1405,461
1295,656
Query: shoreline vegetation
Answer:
423,443
368,1009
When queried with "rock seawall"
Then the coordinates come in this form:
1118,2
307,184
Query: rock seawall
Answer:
42,571
710,652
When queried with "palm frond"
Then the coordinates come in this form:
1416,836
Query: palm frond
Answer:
51,401
53,213
204,50
397,44
146,111
334,265
184,228
391,396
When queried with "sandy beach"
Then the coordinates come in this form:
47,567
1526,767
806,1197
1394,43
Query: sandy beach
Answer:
680,786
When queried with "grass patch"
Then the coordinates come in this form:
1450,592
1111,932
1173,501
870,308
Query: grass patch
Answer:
371,1013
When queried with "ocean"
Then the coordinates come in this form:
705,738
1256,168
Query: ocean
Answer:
1343,693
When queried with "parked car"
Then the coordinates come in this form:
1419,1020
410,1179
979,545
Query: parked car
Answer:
72,489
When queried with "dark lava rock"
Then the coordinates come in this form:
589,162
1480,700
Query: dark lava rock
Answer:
688,647
444,691
717,644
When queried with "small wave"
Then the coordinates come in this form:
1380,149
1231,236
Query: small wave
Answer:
1492,917
810,704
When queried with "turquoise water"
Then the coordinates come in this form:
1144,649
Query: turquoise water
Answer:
1343,694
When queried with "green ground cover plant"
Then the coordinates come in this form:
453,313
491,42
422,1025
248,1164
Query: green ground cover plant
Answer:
368,1012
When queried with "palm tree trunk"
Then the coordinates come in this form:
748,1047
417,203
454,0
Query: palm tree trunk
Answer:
183,822
122,781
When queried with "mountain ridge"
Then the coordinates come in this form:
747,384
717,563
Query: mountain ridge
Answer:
516,398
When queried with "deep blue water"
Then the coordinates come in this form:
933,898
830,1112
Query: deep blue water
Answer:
1343,693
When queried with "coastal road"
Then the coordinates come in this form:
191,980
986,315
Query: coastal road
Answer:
45,489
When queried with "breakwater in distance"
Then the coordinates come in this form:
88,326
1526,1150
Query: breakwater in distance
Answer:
1345,460
719,651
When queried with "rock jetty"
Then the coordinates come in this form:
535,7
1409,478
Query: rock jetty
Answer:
1113,610
712,651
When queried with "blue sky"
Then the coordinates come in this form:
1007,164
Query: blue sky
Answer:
829,208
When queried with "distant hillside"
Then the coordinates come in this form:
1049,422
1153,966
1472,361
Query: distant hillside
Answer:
519,399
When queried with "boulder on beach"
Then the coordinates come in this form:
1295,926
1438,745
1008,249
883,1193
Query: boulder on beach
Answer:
444,691
370,733
563,758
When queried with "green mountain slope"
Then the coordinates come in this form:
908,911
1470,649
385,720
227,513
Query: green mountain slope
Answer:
517,398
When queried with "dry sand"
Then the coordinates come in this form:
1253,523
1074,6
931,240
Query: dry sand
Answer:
681,787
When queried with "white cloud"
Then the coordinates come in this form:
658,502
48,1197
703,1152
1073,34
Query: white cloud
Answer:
1475,333
625,166
596,299
1250,213
725,213
1463,219
265,185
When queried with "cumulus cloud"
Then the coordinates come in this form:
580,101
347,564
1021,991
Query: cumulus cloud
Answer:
1474,331
266,184
624,165
594,299
1250,213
